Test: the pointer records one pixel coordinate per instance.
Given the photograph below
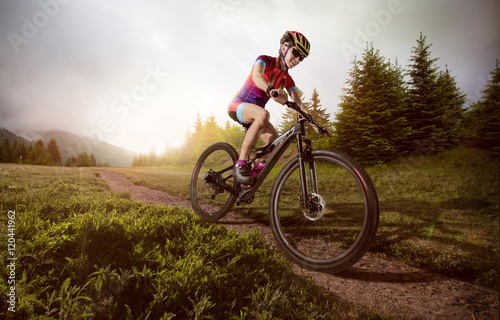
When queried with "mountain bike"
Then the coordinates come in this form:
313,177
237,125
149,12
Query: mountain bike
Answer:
323,207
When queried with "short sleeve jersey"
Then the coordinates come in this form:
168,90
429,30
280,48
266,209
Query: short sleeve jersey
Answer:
274,74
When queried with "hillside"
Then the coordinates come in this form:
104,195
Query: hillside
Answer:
6,134
70,145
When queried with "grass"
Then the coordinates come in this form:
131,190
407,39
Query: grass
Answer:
438,211
441,212
85,252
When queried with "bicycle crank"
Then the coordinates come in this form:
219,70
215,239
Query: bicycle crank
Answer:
316,208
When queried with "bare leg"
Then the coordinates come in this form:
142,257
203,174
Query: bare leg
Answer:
259,118
268,136
260,127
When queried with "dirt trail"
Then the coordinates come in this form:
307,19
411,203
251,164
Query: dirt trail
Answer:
376,282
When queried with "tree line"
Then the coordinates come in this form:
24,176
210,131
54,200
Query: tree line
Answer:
39,154
386,111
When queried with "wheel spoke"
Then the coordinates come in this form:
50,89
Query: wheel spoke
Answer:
335,234
211,180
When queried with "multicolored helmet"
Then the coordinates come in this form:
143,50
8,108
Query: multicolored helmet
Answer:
297,39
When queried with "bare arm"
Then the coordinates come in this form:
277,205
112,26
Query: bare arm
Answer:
258,77
261,83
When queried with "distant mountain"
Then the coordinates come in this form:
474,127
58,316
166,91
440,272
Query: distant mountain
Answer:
11,136
70,145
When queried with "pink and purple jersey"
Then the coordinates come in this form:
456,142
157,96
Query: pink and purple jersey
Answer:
274,75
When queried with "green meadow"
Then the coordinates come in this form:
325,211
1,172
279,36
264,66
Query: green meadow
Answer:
439,211
84,252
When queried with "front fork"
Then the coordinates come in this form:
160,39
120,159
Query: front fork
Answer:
305,156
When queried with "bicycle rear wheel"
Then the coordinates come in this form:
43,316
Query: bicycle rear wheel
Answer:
341,219
210,181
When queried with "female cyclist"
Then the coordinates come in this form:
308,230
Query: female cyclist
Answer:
268,76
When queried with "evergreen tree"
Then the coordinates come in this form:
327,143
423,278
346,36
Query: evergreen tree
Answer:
192,139
6,152
434,103
452,100
135,162
318,113
38,155
140,160
198,125
83,160
210,134
233,133
53,149
423,98
483,119
93,160
289,117
152,158
21,153
370,125
71,161
15,155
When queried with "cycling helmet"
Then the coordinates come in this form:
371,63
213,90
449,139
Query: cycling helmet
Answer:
296,39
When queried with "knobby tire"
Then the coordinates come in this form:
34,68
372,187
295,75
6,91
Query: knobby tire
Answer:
345,230
212,170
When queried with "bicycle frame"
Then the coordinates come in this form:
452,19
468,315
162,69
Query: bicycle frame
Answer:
297,133
282,143
352,202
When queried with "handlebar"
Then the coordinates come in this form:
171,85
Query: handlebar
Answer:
308,117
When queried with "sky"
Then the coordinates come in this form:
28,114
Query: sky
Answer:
137,73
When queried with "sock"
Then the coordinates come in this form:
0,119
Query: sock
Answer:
240,163
255,172
259,166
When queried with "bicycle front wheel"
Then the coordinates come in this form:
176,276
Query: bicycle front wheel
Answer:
334,230
211,181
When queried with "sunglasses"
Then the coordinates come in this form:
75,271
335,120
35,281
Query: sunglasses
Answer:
297,53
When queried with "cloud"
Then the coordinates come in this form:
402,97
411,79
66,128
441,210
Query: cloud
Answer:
79,57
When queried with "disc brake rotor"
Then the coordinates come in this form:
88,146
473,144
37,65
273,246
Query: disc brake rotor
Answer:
316,208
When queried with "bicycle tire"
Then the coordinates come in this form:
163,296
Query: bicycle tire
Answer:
341,235
213,170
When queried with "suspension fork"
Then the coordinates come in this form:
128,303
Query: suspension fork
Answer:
312,169
303,172
305,157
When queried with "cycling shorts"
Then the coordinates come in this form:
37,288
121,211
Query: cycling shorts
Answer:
235,111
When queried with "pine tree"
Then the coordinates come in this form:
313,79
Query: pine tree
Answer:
135,162
318,113
434,104
21,153
38,155
192,140
83,160
483,119
210,134
6,152
452,100
53,149
71,162
93,160
233,133
289,117
370,125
